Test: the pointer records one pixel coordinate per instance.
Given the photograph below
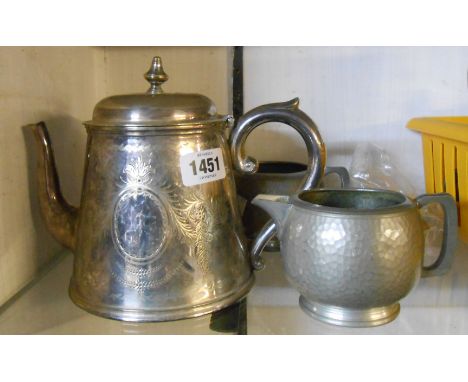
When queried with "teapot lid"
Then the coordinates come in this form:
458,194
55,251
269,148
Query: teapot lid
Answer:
155,108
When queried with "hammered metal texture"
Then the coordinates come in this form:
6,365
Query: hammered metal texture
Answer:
353,261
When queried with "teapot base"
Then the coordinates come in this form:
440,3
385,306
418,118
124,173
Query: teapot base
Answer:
162,314
354,318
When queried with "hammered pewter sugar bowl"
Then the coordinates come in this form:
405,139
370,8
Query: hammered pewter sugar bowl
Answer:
276,178
354,254
158,235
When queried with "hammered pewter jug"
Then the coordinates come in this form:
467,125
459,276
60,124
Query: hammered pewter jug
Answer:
158,235
354,254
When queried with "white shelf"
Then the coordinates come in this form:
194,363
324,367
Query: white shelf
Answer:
438,305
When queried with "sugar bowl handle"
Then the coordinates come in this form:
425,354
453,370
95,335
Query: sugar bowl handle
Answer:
342,172
449,243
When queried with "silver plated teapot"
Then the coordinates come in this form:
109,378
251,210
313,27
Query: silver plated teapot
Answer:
158,235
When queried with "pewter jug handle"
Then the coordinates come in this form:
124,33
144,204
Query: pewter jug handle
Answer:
449,243
278,207
263,237
290,114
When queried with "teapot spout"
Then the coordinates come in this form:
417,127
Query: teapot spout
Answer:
59,216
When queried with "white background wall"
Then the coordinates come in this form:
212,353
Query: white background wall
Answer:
356,95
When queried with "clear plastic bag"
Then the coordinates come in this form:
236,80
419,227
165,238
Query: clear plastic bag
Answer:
373,167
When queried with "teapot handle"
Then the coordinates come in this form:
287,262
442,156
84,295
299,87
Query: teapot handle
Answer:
449,244
290,114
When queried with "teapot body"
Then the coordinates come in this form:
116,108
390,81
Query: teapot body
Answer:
152,245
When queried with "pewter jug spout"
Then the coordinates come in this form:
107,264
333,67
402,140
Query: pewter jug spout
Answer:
276,205
60,217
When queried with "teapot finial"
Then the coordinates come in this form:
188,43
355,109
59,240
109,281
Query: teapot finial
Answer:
156,76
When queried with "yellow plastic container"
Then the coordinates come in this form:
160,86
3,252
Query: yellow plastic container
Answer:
445,147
